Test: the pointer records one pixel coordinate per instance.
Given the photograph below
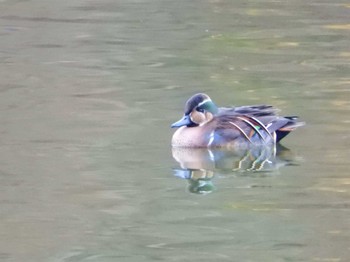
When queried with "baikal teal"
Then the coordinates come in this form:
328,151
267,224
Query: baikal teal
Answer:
204,125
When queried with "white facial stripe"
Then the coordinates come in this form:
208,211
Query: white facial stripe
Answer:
203,102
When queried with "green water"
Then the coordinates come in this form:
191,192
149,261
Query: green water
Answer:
88,90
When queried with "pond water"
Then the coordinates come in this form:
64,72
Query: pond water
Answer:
88,90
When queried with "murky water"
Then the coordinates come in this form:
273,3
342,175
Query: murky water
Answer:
88,90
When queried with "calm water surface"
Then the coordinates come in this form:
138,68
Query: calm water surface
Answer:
88,90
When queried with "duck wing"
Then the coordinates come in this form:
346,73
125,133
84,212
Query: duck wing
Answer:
253,110
254,127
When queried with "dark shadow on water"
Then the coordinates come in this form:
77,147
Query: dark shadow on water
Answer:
199,165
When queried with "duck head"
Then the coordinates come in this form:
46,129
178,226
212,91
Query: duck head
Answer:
199,109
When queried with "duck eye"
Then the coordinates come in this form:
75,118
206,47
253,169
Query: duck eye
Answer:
200,110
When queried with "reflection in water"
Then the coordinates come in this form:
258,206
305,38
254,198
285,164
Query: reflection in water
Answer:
198,165
199,179
87,90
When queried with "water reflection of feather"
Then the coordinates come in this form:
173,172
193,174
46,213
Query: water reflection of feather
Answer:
199,165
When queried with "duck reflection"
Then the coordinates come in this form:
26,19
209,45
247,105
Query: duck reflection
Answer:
199,165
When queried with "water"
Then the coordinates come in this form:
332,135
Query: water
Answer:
89,89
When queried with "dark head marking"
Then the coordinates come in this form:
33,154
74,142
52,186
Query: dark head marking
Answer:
194,101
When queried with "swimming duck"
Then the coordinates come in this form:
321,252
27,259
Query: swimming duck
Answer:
206,125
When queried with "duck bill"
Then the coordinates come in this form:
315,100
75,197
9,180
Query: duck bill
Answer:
182,122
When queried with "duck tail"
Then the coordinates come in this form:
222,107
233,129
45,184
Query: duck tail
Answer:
291,125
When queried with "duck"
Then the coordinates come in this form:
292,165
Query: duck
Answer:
204,125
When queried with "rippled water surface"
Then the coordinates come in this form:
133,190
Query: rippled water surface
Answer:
88,90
